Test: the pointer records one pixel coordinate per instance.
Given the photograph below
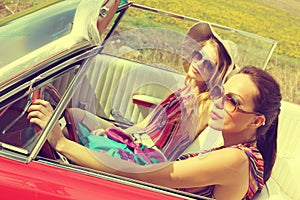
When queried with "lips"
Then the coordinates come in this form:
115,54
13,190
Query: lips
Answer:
195,70
215,116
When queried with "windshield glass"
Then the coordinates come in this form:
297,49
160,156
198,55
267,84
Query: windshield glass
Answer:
152,33
26,34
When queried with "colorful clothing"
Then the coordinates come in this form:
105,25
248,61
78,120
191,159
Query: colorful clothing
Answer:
119,145
174,123
256,181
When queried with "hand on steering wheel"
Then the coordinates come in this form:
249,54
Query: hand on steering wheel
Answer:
43,111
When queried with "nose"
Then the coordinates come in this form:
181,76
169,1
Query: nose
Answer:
217,95
198,63
219,102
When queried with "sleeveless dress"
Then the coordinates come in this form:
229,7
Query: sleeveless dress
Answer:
174,123
256,181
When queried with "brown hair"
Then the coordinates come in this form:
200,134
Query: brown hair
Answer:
267,102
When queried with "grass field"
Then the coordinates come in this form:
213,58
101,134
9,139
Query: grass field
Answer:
275,19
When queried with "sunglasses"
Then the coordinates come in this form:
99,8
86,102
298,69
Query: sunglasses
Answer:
198,59
232,104
231,101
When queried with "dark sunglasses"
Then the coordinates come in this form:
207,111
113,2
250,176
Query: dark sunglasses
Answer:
207,64
232,104
231,101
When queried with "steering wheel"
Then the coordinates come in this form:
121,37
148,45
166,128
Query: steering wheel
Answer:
50,93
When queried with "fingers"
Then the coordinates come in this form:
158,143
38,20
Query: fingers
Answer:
39,122
39,112
41,105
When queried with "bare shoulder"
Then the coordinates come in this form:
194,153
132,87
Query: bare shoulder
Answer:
231,156
234,153
235,177
224,167
230,168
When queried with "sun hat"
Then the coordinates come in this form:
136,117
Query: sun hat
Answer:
203,31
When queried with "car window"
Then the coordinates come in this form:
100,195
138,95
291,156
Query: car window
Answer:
28,33
15,128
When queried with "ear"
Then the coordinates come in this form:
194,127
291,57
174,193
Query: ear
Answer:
258,121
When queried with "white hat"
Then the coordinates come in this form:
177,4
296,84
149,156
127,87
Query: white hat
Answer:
203,31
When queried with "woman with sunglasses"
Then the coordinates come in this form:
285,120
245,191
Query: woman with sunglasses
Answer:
182,116
246,112
247,115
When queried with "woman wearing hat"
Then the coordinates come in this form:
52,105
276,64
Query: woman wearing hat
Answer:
181,117
247,115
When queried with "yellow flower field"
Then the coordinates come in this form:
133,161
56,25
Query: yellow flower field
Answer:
244,15
253,17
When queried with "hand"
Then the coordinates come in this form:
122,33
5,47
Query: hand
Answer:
39,113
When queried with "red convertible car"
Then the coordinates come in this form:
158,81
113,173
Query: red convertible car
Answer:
117,64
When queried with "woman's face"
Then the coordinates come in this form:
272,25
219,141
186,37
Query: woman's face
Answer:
241,91
203,63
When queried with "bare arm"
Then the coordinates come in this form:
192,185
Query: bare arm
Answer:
221,168
218,168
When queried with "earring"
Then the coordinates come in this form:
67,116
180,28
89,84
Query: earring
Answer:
264,123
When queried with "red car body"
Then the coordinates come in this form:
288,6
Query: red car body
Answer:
37,180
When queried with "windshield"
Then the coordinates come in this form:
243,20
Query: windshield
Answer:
145,29
28,33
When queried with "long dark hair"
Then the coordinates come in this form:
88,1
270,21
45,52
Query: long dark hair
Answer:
267,102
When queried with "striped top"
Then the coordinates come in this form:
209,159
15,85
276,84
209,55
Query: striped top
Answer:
256,181
175,123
